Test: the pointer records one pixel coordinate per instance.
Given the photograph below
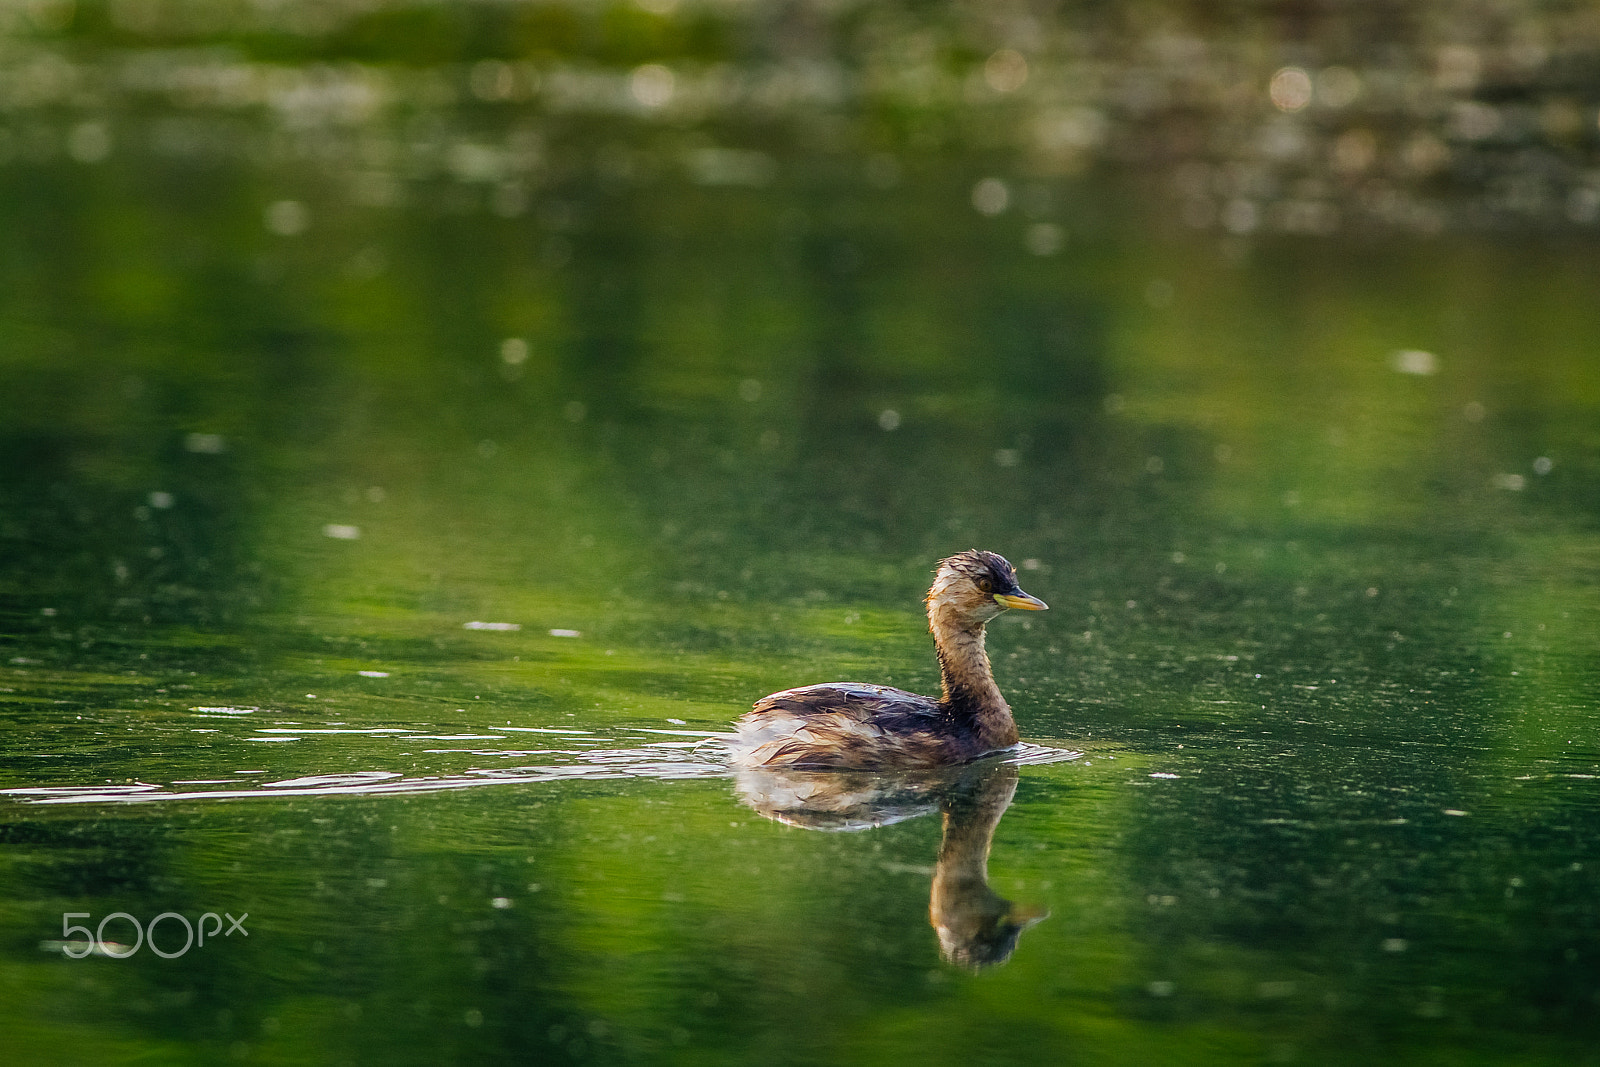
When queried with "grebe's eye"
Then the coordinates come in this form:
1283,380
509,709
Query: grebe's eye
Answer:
985,585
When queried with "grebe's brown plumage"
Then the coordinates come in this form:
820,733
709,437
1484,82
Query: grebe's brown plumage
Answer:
854,725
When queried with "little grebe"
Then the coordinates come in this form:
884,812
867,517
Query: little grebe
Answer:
854,725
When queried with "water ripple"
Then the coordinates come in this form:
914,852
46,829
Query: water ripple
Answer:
660,760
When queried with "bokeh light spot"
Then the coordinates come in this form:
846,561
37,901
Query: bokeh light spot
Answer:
287,218
1006,71
991,196
652,85
1290,89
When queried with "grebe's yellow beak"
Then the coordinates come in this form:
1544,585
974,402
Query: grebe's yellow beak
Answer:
1021,601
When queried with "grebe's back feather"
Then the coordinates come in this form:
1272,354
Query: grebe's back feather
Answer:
852,725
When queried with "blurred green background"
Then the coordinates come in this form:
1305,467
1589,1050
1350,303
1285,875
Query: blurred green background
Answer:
678,341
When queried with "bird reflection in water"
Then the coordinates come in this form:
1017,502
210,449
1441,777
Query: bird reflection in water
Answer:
977,927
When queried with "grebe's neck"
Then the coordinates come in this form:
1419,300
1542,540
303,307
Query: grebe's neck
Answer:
969,692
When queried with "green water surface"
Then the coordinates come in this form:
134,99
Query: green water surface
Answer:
373,567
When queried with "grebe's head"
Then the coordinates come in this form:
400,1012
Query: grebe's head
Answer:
973,587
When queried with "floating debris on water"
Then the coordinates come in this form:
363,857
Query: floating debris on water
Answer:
1414,361
205,443
332,730
79,949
